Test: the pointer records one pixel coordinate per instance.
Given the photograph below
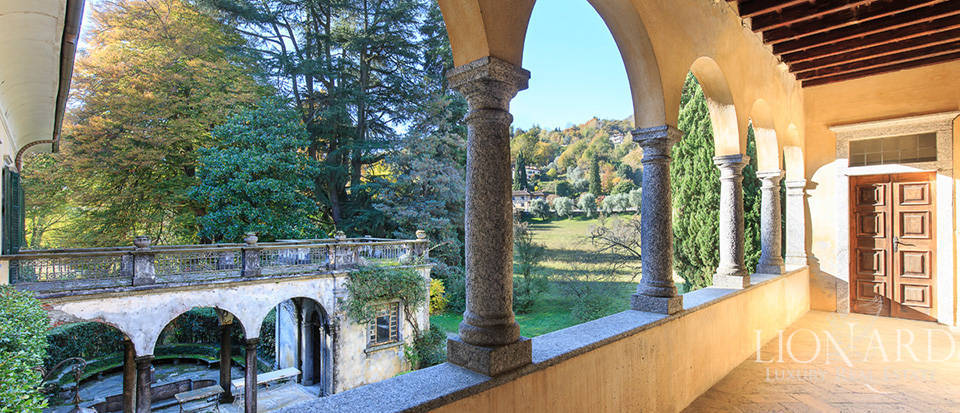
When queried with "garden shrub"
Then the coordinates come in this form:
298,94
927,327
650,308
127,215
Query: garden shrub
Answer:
438,301
456,293
23,325
427,350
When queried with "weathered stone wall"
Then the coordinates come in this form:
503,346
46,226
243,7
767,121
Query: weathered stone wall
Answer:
142,314
355,365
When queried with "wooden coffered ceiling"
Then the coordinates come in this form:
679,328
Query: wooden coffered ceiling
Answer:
824,41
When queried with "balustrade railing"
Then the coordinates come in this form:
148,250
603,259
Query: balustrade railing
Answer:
143,264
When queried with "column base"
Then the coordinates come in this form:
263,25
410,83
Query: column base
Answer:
659,305
796,260
731,281
770,268
490,361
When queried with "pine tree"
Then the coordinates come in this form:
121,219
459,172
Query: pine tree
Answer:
751,206
520,174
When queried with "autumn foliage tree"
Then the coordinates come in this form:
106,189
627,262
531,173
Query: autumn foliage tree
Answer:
155,78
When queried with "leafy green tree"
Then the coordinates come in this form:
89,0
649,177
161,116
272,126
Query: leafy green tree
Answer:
595,185
636,196
257,178
540,208
751,206
588,203
527,256
46,200
623,187
23,325
520,174
564,206
564,189
354,70
155,78
696,192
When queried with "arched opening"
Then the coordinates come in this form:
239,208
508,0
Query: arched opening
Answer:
199,349
302,338
719,102
86,360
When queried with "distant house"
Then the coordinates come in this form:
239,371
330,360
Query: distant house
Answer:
522,199
617,139
532,172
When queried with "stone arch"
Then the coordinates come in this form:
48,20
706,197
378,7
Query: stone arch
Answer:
723,112
480,28
793,163
303,339
234,319
765,131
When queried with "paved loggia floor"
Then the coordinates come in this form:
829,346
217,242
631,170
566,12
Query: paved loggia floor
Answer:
878,374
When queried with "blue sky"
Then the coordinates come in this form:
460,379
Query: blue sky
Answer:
575,68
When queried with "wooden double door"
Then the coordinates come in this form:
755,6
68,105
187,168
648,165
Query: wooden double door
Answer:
893,245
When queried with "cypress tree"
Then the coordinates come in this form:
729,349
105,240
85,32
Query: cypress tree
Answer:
595,187
520,174
696,194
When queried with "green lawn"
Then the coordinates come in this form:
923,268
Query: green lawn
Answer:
567,252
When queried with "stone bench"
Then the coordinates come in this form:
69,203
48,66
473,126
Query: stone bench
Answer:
266,379
199,399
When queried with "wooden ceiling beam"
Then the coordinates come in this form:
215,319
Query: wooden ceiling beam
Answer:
800,12
750,8
922,53
896,21
848,17
877,51
930,28
882,69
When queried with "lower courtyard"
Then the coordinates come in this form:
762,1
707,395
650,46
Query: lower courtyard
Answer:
845,362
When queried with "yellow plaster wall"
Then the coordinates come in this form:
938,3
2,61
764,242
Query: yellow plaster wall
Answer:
918,91
662,369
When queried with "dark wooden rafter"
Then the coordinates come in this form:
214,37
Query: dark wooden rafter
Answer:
882,69
824,41
800,12
931,28
915,43
939,49
849,18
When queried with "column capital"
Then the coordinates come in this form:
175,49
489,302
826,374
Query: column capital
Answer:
795,184
775,175
488,82
252,342
734,162
141,360
657,135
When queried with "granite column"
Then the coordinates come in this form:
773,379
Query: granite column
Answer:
732,272
656,291
129,377
796,253
489,340
771,234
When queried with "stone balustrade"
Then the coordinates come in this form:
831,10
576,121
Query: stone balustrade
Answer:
145,264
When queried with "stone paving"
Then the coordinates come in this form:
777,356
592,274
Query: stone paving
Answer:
829,362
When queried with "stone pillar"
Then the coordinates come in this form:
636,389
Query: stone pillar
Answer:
250,377
251,256
796,222
771,251
489,340
226,361
656,291
731,273
129,377
144,271
144,381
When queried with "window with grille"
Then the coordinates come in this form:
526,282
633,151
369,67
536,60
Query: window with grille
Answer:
894,149
385,328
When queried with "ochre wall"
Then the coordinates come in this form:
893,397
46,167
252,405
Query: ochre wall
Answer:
662,369
918,91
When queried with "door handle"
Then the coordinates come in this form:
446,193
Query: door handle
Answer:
896,244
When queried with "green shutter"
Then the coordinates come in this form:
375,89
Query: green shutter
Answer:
12,212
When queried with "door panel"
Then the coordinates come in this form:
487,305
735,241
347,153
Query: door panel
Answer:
892,267
913,246
870,268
